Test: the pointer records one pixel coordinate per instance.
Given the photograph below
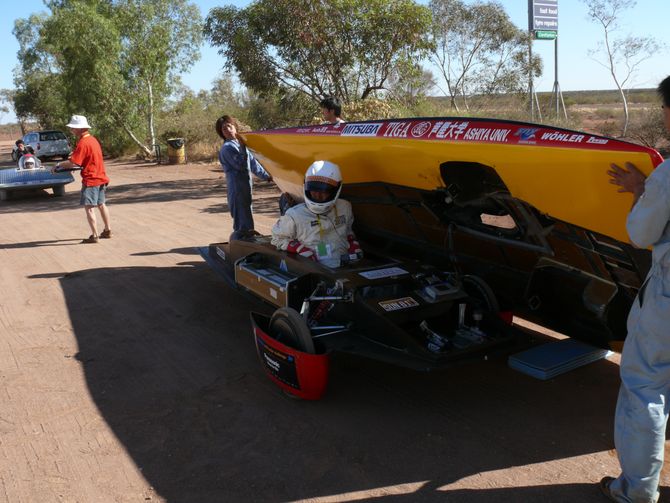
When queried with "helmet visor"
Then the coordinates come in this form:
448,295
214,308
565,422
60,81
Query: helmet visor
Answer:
321,191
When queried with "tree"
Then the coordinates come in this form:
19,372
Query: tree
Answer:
345,48
115,61
478,50
38,92
410,87
621,57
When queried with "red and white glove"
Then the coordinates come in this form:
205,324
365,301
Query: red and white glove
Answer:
296,246
355,251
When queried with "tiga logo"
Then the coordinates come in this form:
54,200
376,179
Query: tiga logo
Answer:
397,129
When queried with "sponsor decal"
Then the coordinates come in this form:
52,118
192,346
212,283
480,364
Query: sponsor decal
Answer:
420,129
563,137
448,130
320,129
361,129
398,304
526,134
598,141
221,253
383,273
278,363
487,134
397,129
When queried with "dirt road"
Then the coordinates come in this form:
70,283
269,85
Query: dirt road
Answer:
128,373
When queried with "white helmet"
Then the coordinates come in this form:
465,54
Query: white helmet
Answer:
325,177
28,161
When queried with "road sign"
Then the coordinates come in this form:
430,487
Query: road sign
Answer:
545,34
543,16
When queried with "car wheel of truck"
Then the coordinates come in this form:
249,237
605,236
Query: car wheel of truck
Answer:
4,194
288,327
59,190
479,290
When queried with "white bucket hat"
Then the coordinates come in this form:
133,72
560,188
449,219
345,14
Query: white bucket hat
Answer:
78,122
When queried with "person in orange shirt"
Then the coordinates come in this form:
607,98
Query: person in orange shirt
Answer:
87,158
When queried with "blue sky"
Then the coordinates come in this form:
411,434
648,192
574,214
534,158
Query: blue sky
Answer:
576,36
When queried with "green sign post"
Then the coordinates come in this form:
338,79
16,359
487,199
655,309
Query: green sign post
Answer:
545,34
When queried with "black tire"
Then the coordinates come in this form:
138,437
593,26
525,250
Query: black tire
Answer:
59,190
481,292
4,194
288,327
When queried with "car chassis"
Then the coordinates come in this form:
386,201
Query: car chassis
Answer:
402,312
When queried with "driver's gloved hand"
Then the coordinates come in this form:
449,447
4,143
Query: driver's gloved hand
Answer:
355,251
297,247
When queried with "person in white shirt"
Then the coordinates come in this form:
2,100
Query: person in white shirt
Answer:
644,395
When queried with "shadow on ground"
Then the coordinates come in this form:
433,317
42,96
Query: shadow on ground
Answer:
265,196
171,365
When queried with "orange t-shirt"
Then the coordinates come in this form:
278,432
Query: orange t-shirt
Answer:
88,155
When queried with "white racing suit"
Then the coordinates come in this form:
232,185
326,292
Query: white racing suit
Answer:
325,234
644,395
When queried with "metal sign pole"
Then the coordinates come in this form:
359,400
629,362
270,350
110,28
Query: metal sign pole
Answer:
543,25
531,91
556,72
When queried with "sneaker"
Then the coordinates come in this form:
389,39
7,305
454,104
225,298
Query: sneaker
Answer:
106,234
90,239
604,486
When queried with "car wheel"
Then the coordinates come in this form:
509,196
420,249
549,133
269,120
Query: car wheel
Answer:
59,190
4,194
289,328
481,292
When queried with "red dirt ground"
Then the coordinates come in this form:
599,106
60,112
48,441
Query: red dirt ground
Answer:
128,373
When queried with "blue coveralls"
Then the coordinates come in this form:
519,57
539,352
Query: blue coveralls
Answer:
642,407
238,164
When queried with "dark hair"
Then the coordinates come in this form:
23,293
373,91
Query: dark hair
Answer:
331,103
664,91
19,142
221,121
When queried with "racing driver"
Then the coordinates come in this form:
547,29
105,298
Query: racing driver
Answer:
319,228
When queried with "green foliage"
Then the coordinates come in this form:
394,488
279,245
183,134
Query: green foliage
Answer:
478,50
648,128
281,109
192,116
345,48
115,61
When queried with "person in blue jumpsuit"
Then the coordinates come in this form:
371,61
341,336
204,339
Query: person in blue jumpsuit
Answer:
644,396
238,163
